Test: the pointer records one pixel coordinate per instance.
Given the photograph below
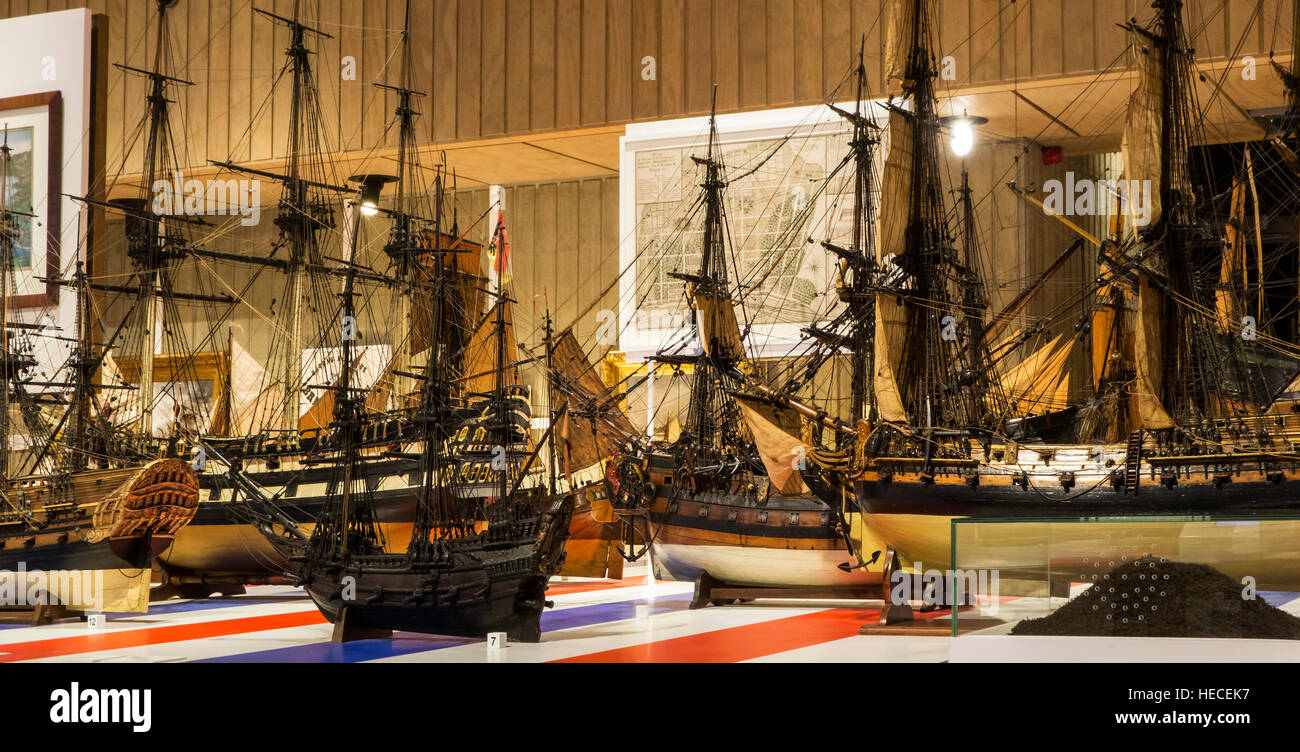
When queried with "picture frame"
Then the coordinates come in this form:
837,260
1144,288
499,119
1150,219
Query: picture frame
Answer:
35,124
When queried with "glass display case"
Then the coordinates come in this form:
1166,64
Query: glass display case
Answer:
1141,576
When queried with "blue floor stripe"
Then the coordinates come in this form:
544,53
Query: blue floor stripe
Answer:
1276,598
406,643
204,604
180,607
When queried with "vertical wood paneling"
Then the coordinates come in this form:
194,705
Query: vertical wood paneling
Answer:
542,70
699,55
197,50
590,252
1045,25
618,61
726,52
351,93
568,63
468,65
753,53
645,41
117,87
445,74
509,67
608,267
594,65
564,296
1111,40
837,48
1207,24
869,30
954,30
135,54
672,60
1079,45
217,121
377,66
984,58
546,241
779,57
493,35
808,50
518,61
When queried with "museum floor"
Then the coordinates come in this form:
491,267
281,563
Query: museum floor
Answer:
632,620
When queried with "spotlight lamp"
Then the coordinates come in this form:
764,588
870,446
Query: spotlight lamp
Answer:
961,131
371,186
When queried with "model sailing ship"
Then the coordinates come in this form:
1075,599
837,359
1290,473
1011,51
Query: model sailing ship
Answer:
285,456
70,502
732,499
1179,419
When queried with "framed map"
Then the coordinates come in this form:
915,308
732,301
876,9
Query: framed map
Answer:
786,193
32,127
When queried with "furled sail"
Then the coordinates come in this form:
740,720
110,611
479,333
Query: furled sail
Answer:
582,440
719,330
1234,258
481,354
891,331
1142,133
1147,411
465,282
1040,383
775,433
898,37
896,187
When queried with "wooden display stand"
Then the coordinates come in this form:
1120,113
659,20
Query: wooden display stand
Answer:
710,591
35,615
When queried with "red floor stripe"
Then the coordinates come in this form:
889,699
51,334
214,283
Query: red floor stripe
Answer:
134,638
564,588
742,643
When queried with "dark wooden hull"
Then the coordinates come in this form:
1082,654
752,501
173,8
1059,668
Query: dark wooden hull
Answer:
488,590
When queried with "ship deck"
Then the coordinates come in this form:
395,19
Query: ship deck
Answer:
593,621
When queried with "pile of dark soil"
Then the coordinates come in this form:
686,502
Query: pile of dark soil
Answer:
1154,597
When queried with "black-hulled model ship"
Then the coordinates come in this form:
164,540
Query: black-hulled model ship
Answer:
458,575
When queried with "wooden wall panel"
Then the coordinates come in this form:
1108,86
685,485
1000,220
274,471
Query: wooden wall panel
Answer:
672,56
510,68
779,57
645,42
594,65
618,60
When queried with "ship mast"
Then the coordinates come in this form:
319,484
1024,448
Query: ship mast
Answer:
153,242
860,257
934,376
401,247
711,414
296,219
7,235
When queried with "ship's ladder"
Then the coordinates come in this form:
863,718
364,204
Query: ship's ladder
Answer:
1133,463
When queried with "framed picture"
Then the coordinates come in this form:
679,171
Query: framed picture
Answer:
32,125
189,391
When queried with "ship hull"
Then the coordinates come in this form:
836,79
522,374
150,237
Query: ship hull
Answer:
103,529
215,543
782,542
470,600
916,519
